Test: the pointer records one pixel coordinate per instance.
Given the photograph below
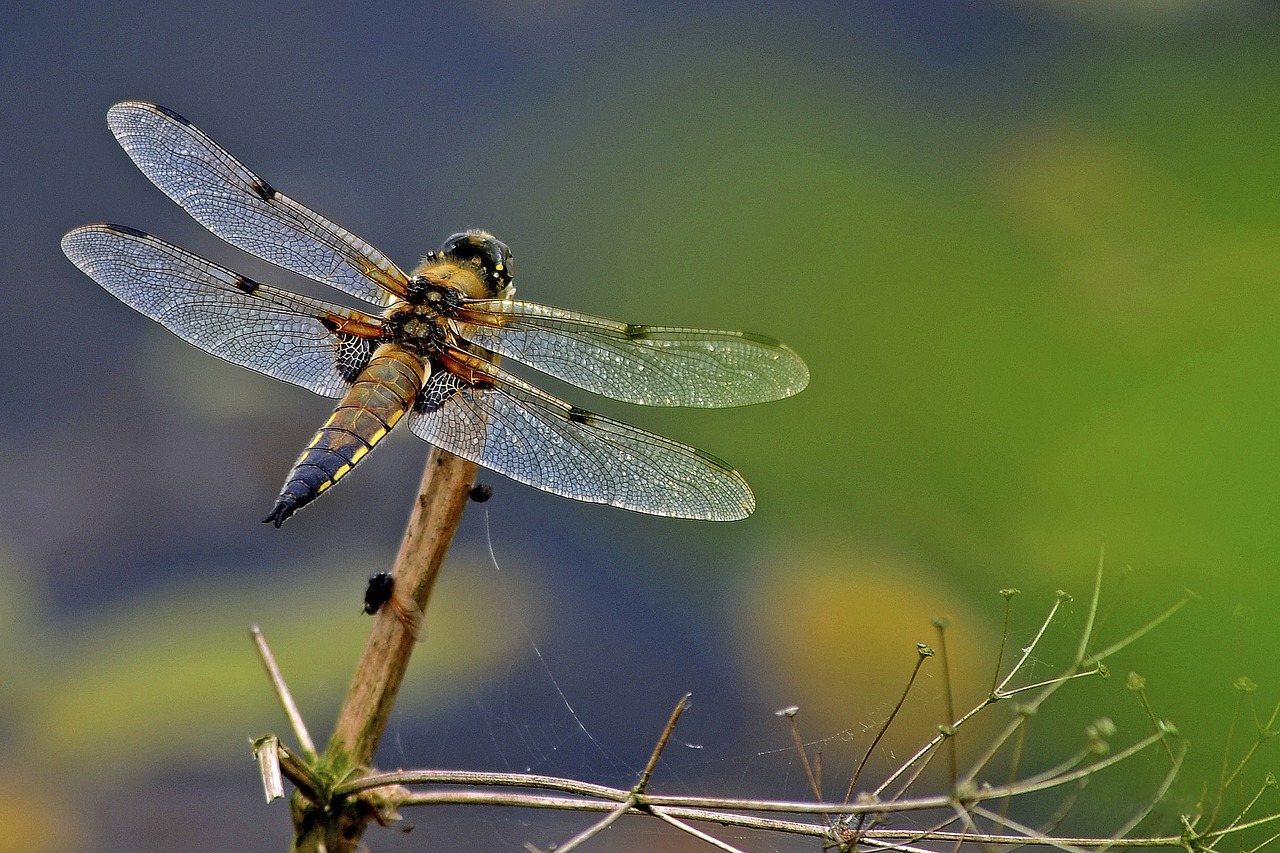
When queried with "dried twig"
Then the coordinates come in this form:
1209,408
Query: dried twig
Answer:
633,796
282,692
337,795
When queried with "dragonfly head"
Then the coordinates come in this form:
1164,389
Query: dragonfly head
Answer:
487,252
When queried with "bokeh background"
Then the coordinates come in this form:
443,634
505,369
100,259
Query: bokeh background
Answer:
1030,250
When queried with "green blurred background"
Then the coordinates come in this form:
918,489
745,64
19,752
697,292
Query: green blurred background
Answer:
1029,250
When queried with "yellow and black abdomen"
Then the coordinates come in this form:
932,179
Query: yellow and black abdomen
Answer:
383,391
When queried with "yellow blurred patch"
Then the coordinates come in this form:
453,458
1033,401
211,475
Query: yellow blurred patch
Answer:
38,819
834,631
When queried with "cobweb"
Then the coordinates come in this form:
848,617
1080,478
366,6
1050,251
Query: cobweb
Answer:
528,720
545,715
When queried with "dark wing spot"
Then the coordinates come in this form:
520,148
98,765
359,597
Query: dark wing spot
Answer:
581,416
760,339
248,285
165,111
125,229
263,189
635,332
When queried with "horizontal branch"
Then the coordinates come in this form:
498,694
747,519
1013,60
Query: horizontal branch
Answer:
726,818
613,796
618,795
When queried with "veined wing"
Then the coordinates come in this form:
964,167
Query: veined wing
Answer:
308,342
507,425
650,365
224,196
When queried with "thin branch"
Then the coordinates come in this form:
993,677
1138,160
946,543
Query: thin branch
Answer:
1015,762
282,692
923,653
1085,665
1266,842
964,816
948,729
1055,682
1057,771
1138,685
1265,732
798,743
1061,599
1050,825
1154,800
897,848
299,773
1270,727
921,834
921,763
1248,806
679,709
1142,631
1023,787
619,795
1008,595
597,827
1029,834
1091,618
695,832
1241,827
541,801
633,796
1223,782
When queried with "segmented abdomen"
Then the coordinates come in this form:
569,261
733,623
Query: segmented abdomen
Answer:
383,391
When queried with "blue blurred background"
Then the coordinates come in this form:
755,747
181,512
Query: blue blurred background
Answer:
1030,251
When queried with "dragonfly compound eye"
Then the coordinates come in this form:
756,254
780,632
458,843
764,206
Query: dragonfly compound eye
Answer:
487,252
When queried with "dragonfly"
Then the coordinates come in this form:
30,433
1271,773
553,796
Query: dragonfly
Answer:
428,346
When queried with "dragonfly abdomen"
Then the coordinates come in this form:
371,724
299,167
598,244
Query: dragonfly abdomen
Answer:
383,391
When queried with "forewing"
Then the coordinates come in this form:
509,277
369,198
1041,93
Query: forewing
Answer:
650,365
224,196
268,330
530,436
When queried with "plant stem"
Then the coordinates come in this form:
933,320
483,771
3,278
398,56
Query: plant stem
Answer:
434,519
367,707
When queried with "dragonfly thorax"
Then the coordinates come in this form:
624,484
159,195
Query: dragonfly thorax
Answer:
418,327
439,291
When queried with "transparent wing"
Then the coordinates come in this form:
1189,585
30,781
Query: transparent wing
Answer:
280,334
241,208
517,430
650,365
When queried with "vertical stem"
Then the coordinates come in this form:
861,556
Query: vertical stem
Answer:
435,516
